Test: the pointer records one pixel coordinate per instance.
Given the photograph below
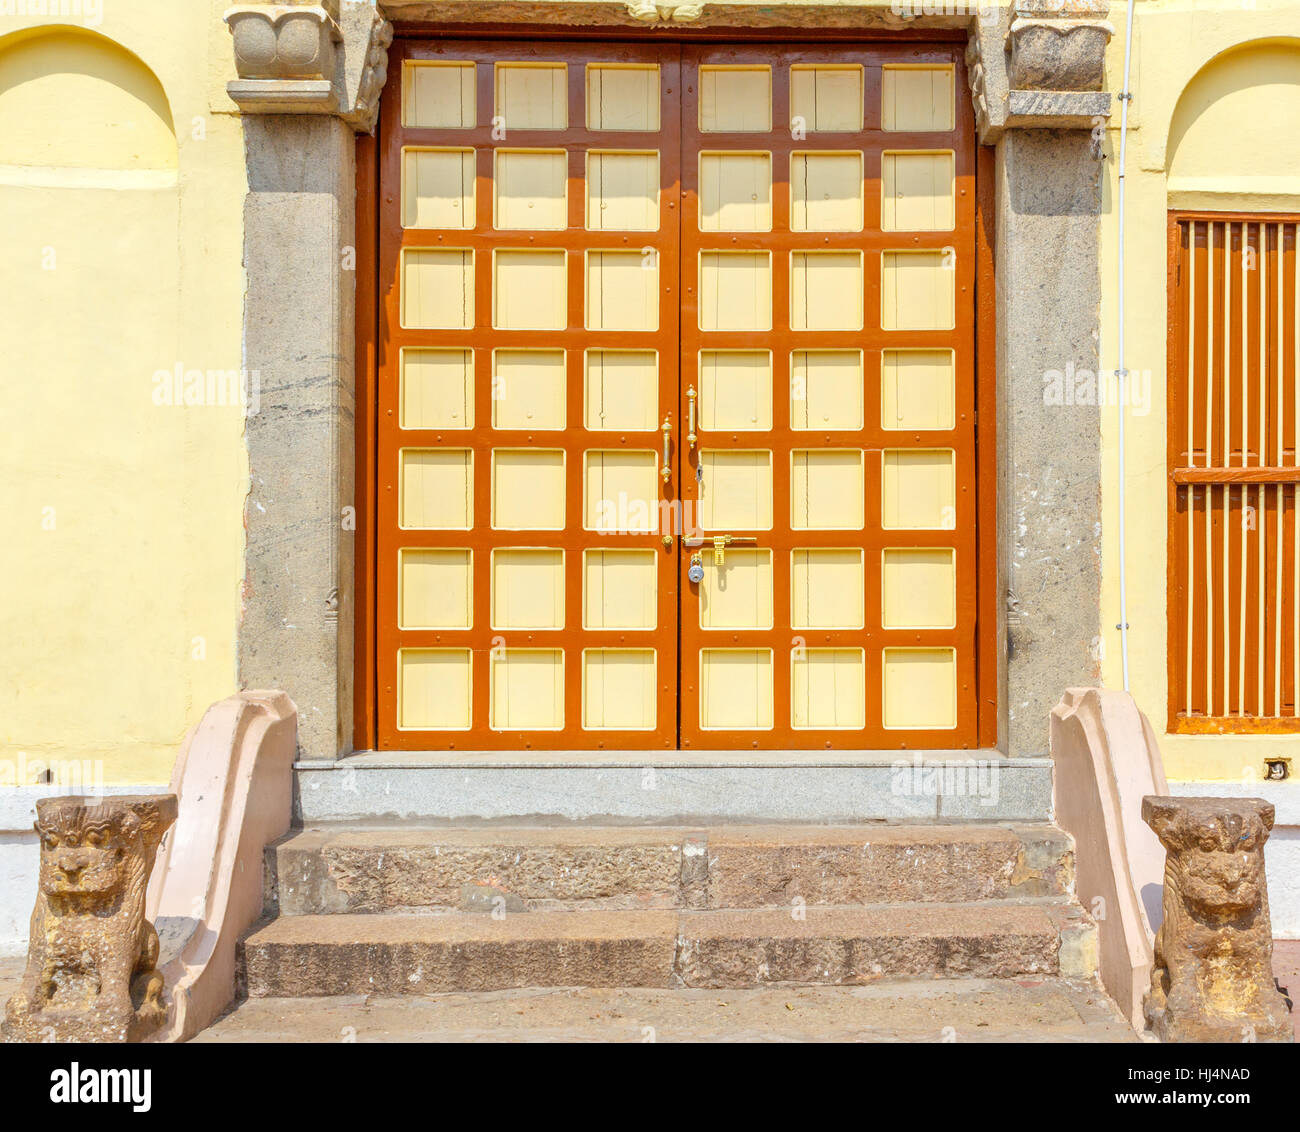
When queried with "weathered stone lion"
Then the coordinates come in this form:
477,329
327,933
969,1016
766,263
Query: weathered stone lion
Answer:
1213,974
92,957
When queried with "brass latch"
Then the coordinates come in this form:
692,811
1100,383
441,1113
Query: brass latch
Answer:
720,543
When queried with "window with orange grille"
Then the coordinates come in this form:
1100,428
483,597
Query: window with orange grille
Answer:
1234,473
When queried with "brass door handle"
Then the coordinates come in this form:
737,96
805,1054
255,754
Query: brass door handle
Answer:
666,472
690,419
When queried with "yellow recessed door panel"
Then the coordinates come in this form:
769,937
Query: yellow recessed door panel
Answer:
435,588
434,689
736,192
438,188
735,689
438,95
531,188
527,692
916,98
437,388
532,96
618,689
527,588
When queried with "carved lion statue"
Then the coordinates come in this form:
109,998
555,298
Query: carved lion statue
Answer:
92,957
1213,973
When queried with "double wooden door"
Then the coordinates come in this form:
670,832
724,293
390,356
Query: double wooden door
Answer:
676,398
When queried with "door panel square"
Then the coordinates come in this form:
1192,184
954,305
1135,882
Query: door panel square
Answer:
919,490
433,689
618,689
437,188
438,96
735,390
918,192
826,291
532,96
919,588
827,490
435,589
620,491
528,489
622,97
735,490
735,192
530,291
828,689
918,291
920,688
827,588
622,191
736,689
527,588
623,290
528,389
620,589
437,388
735,99
826,390
826,192
737,594
735,291
916,98
826,98
918,389
527,689
437,289
436,488
622,390
530,188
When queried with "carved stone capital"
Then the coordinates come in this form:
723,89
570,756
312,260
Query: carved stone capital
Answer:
285,58
978,78
317,58
364,105
1055,54
1044,70
648,12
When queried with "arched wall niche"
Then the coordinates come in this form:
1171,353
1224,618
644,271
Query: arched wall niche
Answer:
1231,138
72,99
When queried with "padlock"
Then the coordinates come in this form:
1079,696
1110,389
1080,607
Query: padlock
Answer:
696,569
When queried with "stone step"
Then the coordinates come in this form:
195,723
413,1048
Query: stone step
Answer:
347,870
299,956
1031,1009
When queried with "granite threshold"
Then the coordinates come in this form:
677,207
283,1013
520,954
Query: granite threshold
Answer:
675,786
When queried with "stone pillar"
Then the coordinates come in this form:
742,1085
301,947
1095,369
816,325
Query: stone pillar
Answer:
1048,311
296,630
1213,975
310,76
1036,84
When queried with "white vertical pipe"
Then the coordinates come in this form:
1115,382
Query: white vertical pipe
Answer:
1121,373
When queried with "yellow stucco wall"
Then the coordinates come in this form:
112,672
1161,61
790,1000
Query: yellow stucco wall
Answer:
121,196
1229,145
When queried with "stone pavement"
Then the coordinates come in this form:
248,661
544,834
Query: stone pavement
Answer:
919,1010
